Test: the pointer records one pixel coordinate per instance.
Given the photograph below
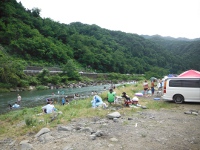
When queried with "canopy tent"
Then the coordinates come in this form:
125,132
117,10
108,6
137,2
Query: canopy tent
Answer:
190,73
153,78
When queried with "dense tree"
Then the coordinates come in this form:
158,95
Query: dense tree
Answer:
11,71
70,70
41,41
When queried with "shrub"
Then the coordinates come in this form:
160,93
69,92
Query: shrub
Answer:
41,87
33,81
55,79
23,83
4,90
64,79
30,121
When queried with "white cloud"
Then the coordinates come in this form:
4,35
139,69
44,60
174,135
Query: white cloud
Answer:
176,18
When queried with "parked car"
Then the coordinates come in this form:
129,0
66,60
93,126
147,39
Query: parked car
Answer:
181,89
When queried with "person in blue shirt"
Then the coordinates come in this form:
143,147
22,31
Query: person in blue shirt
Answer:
97,101
15,105
63,101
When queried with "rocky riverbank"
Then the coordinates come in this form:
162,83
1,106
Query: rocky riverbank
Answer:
70,85
145,129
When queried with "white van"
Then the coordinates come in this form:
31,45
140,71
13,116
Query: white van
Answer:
181,90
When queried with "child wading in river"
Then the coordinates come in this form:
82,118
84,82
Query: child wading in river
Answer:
63,101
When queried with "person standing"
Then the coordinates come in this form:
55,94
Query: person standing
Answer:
63,101
19,98
152,87
145,86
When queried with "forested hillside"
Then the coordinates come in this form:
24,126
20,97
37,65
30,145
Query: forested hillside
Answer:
188,49
27,37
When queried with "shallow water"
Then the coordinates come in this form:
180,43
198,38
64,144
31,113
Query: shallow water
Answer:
35,98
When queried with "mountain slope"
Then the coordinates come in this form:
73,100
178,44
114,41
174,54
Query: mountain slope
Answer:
43,41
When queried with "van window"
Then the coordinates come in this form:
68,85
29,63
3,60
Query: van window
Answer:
185,83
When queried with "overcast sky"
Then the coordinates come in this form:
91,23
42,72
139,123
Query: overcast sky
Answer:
175,18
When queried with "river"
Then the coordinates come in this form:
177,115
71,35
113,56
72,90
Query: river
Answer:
35,97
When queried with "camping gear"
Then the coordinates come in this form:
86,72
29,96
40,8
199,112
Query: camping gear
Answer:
139,94
153,78
190,73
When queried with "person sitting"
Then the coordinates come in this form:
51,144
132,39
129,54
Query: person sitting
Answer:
66,100
127,100
49,108
97,101
135,101
48,99
9,106
15,105
111,96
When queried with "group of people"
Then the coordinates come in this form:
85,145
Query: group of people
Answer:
17,103
149,91
111,98
50,108
97,100
128,101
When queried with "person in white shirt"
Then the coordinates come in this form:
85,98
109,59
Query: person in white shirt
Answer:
49,108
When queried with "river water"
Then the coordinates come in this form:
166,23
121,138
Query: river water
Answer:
35,98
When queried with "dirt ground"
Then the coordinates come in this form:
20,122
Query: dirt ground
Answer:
166,129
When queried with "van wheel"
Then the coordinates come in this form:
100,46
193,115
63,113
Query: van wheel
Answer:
178,99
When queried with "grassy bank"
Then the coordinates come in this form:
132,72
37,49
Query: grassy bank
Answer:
31,120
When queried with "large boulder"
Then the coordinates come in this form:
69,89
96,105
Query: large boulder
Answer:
42,131
114,115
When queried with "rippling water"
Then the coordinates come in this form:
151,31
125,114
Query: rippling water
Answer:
35,98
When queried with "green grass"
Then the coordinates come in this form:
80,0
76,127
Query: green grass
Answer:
27,120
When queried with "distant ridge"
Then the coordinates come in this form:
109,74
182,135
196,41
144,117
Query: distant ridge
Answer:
168,38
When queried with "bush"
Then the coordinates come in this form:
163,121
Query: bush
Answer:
55,79
114,81
23,83
4,90
33,81
86,79
64,79
30,121
5,85
41,87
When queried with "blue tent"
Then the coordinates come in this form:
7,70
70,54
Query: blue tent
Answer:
170,75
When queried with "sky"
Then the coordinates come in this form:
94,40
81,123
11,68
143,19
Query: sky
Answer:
175,18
